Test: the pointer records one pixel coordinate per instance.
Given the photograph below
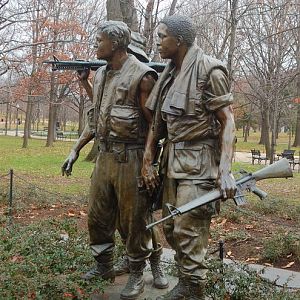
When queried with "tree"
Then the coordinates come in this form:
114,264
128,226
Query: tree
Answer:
297,56
267,63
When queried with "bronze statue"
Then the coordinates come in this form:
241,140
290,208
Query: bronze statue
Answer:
192,111
119,121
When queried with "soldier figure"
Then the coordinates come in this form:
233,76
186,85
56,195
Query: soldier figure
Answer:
192,105
119,122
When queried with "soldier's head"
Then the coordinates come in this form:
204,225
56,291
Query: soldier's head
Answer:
111,36
174,32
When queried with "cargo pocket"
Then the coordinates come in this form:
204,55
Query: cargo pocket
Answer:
187,161
193,161
124,121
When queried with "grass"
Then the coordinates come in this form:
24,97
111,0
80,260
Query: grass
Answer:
42,165
238,282
254,137
281,244
30,269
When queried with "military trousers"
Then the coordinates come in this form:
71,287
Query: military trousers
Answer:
116,203
188,234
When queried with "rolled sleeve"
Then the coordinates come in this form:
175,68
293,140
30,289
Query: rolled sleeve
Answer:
217,93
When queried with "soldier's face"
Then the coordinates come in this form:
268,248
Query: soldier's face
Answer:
167,44
104,46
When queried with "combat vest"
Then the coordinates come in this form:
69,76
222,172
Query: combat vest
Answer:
117,115
198,121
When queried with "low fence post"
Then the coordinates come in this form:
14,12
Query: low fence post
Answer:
10,197
221,250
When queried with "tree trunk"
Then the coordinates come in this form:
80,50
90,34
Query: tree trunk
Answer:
29,108
267,133
52,113
233,26
27,124
129,14
297,134
113,9
262,140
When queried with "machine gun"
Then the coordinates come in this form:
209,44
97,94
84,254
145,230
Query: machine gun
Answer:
280,169
80,65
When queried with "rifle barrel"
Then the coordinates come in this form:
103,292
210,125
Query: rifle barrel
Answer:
79,65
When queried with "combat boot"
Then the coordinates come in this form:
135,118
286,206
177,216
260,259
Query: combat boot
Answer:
103,269
135,284
122,266
179,292
160,281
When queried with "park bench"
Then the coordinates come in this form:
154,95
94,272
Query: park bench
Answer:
60,135
255,154
290,156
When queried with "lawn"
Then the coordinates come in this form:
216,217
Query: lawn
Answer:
252,142
49,209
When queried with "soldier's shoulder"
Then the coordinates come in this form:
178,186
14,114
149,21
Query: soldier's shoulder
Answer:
212,61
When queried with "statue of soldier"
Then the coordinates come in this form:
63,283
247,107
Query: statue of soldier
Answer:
192,110
119,122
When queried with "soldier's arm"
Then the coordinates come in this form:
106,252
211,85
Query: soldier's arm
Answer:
219,89
83,77
149,173
86,136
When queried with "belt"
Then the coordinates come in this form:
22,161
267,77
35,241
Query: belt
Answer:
195,144
108,146
119,149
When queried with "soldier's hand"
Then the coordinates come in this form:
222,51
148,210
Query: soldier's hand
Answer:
151,177
227,185
83,74
67,166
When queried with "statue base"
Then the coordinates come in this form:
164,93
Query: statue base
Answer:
112,291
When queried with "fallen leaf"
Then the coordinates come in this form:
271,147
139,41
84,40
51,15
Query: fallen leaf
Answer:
68,295
82,213
16,258
71,214
252,259
80,291
290,255
268,265
229,253
258,248
223,221
249,226
288,265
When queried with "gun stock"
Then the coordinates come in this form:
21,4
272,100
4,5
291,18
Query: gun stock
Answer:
280,169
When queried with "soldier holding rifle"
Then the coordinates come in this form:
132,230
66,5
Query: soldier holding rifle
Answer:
192,111
119,121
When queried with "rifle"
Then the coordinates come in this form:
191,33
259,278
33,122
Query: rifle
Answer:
80,65
280,169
